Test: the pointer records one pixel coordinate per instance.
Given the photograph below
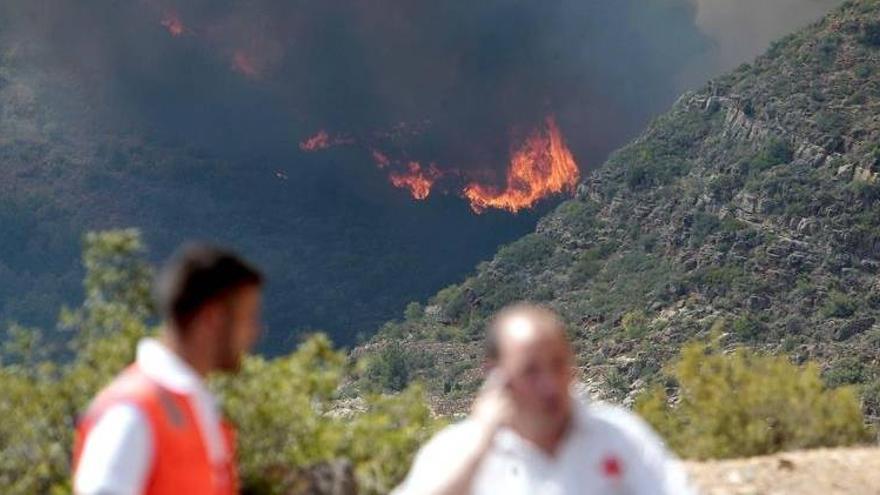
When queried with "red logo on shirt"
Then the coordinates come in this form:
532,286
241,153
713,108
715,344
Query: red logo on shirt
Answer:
611,467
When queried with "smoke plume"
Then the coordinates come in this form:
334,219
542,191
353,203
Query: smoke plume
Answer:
743,29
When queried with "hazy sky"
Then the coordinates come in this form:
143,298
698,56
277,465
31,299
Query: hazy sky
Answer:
743,29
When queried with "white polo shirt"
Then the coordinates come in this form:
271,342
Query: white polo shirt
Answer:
118,452
607,451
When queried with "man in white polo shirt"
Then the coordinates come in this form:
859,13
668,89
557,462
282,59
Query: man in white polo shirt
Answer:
528,435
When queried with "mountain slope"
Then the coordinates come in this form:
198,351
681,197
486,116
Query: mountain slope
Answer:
754,201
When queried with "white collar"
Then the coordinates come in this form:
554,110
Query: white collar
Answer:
508,440
160,364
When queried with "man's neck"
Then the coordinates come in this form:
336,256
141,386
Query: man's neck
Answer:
548,440
187,351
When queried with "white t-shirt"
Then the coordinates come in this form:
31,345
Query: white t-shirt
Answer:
118,452
608,451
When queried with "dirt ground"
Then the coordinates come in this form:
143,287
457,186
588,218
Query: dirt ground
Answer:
854,471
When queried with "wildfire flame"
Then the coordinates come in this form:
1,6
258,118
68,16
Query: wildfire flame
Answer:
319,141
419,181
322,140
542,166
380,158
171,21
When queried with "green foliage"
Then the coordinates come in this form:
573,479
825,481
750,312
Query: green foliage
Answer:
846,371
414,312
839,305
635,324
871,34
775,152
452,300
579,215
747,328
41,400
529,250
389,370
287,410
288,418
117,272
393,367
743,403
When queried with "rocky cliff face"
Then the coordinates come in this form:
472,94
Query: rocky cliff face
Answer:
751,208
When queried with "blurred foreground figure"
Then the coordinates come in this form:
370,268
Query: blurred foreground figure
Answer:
528,435
156,428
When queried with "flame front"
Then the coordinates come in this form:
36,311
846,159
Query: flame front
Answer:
418,180
319,141
542,166
322,140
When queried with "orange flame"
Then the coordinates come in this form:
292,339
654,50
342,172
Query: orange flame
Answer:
418,180
173,24
380,158
542,166
322,140
319,141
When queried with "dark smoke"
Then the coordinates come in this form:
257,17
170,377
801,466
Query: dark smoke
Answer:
476,72
454,82
258,75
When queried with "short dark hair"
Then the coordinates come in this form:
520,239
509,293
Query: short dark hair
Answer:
196,275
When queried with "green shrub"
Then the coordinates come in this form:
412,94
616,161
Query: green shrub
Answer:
846,371
525,252
839,305
414,312
389,369
635,324
748,328
871,34
286,408
743,404
287,419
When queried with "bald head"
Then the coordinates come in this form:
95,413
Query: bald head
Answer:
519,323
528,349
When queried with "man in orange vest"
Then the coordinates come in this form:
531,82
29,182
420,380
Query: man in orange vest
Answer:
156,429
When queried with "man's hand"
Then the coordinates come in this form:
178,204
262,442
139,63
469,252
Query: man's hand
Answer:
493,407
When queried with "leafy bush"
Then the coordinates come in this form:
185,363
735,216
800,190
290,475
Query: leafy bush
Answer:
414,311
525,252
743,404
871,34
747,328
839,305
287,418
635,324
286,409
389,369
776,152
588,264
846,371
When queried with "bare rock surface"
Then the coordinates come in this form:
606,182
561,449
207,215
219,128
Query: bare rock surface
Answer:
851,471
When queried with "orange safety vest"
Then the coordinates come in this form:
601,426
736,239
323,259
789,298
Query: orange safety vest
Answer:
180,463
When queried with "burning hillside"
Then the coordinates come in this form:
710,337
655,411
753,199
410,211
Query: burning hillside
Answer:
541,166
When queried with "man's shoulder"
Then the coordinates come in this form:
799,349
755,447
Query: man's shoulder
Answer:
453,435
